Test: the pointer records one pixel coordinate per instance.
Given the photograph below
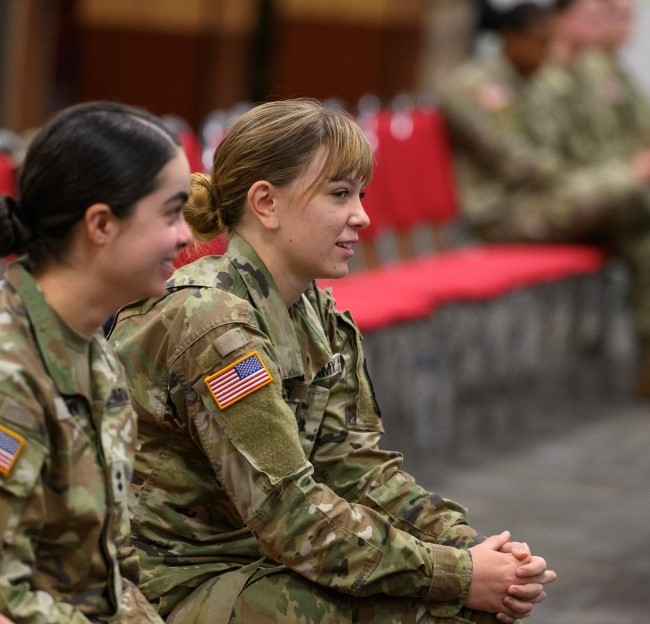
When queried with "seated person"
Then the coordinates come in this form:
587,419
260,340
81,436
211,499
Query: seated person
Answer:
260,491
528,167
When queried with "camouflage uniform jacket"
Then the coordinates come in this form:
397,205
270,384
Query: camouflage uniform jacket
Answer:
616,107
483,101
572,113
65,464
517,177
285,468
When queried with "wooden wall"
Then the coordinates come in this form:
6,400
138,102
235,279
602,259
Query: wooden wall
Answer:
343,49
184,58
188,57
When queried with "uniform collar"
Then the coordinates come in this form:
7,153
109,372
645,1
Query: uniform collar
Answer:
45,325
266,298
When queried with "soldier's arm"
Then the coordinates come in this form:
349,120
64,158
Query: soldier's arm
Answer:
608,194
20,520
347,454
254,447
496,139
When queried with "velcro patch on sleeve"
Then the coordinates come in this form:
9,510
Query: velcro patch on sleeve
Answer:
232,383
11,444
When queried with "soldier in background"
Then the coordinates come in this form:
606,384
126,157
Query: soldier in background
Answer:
588,111
260,493
616,106
99,219
484,102
577,29
529,165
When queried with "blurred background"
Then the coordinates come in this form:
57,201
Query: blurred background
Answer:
191,57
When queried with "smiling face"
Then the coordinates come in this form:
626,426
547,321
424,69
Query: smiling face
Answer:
318,226
140,257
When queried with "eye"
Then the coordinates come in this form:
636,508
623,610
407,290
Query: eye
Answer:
341,193
175,214
362,194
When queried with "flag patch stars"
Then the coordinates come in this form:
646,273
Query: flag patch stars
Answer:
238,380
11,444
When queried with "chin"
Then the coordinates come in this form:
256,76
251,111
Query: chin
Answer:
154,290
337,272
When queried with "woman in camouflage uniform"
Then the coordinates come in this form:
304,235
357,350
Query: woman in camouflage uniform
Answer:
260,493
99,219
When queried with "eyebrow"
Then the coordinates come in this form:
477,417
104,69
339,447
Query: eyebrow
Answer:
350,181
181,195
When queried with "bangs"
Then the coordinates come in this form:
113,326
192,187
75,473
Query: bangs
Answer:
349,153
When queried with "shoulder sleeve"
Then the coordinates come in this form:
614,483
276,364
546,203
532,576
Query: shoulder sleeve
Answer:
24,452
23,446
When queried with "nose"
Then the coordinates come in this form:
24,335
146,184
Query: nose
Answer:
183,233
359,218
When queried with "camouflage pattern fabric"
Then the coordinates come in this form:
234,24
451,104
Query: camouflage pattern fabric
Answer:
531,167
594,116
520,172
273,491
280,597
65,555
499,172
599,111
569,131
618,113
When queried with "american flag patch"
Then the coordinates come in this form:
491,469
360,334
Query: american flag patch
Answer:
238,380
10,446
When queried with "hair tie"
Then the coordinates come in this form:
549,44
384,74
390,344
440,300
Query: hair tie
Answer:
219,220
215,205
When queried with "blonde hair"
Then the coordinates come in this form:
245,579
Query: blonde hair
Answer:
275,142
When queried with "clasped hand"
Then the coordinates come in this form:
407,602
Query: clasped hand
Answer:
506,578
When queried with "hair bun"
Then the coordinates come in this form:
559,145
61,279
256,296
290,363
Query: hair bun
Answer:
15,235
202,210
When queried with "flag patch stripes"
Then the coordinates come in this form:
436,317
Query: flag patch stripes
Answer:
234,382
11,444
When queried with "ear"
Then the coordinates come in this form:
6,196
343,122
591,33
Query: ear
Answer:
262,200
100,223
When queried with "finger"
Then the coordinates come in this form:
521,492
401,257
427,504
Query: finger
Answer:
536,565
497,541
507,613
534,598
519,550
549,576
517,608
506,619
526,592
539,598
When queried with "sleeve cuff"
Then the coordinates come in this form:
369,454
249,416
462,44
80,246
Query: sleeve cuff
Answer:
451,579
